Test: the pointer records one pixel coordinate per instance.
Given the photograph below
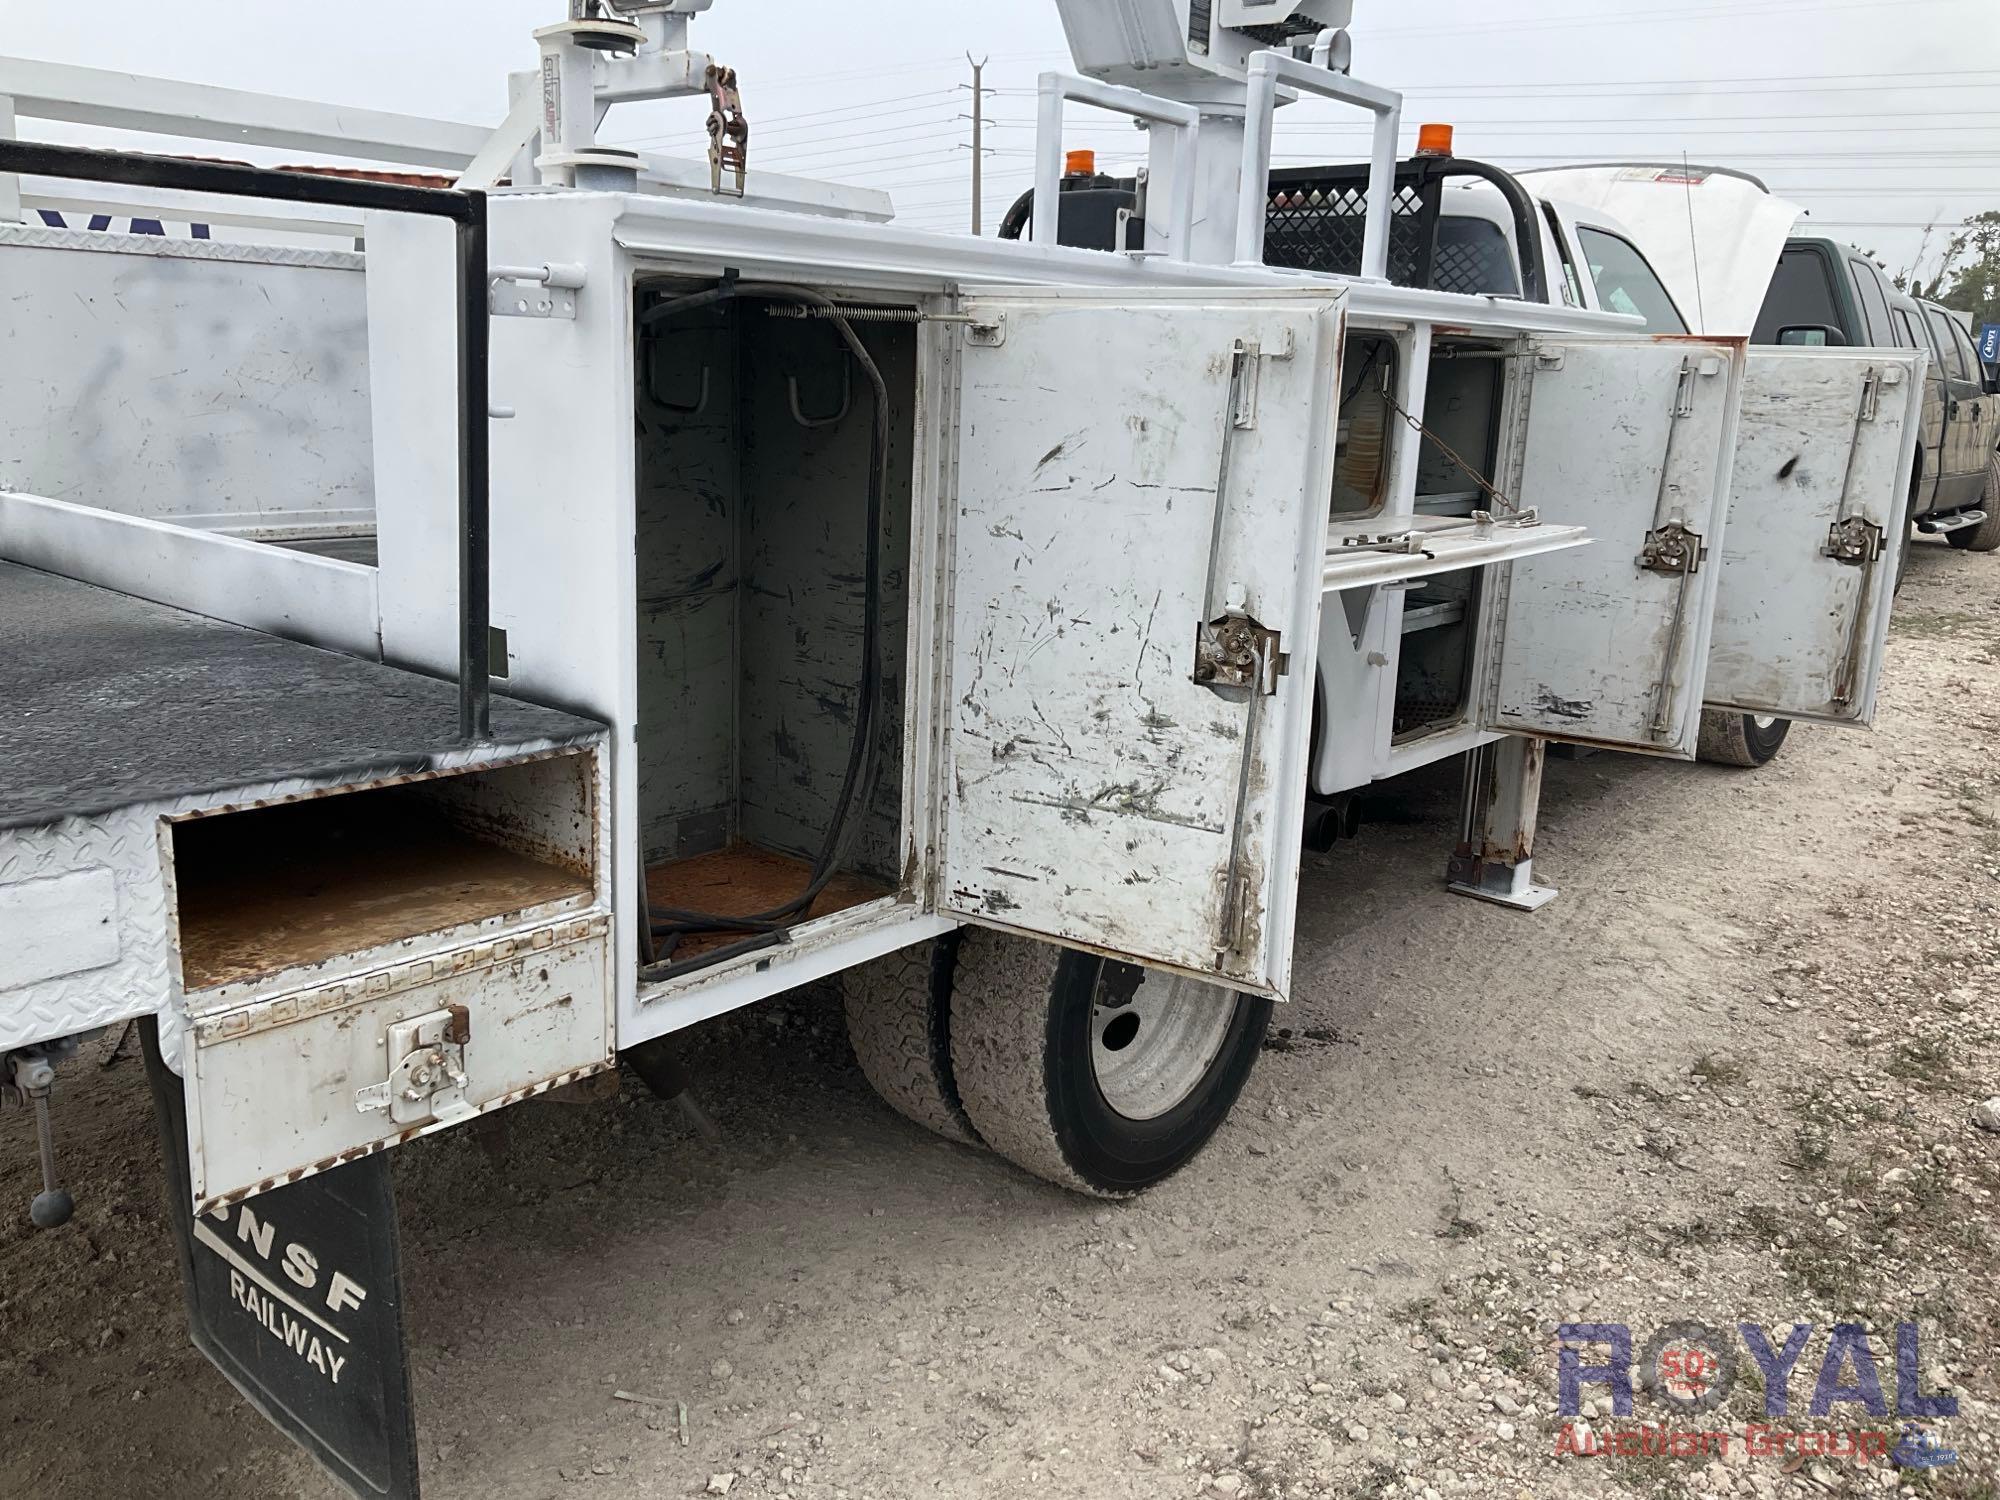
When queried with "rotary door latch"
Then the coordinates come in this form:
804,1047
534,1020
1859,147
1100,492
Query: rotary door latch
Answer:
1673,548
1855,540
1235,651
426,1079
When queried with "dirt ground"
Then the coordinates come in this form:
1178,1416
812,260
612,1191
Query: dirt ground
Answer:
1727,1077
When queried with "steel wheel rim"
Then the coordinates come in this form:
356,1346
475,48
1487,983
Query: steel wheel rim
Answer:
1764,722
1151,1051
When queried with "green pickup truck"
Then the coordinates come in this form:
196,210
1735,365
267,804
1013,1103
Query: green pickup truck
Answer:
1825,293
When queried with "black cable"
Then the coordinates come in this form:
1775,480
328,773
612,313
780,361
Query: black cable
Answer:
1015,220
675,923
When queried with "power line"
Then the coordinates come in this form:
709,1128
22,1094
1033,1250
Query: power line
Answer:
1660,128
883,149
1612,17
1570,121
782,124
1678,87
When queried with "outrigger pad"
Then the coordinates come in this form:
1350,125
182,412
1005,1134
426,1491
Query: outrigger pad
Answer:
297,1296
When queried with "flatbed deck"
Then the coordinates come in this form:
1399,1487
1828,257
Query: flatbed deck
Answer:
107,701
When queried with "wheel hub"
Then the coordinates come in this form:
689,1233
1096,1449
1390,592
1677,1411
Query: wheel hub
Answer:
1152,1042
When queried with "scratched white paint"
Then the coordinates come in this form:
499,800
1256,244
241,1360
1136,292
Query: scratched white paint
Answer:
1591,640
1787,616
282,1098
1093,786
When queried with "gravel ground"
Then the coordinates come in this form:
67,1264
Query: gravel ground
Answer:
1729,1076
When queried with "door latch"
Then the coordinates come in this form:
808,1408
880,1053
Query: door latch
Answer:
1235,651
1856,541
426,1078
1673,548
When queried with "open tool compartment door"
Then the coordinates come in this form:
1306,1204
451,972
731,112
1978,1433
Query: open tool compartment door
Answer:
1607,644
1817,527
1136,516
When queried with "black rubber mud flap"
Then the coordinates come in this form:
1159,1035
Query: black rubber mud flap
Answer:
297,1296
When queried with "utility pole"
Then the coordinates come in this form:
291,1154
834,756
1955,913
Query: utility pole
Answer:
978,140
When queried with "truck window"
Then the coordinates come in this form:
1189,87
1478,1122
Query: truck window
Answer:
1967,354
1473,257
1950,355
1904,329
1874,299
1801,295
1572,283
1626,284
1940,364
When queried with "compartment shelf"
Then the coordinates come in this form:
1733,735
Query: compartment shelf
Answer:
1431,614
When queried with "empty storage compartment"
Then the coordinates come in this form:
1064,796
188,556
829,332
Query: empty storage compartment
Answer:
263,889
755,465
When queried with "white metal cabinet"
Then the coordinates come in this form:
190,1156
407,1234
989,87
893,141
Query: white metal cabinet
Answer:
1607,644
1130,470
1816,530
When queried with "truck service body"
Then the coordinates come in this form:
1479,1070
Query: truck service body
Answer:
990,624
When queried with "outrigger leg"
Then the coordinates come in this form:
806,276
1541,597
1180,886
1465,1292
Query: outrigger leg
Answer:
1496,839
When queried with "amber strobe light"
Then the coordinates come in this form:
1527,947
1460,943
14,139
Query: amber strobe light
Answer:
1079,163
1433,140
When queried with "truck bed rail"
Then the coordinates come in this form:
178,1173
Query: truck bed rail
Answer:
467,210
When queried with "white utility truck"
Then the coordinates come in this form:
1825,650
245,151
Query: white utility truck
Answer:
967,618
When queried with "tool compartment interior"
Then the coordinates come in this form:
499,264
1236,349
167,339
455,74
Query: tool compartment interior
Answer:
1440,620
268,888
756,458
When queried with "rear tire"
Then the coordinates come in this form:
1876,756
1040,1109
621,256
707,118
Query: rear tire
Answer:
1093,1074
1985,537
1733,739
899,1022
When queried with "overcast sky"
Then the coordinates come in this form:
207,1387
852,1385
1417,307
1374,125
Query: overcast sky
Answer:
1880,116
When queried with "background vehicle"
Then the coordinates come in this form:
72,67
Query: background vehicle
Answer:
1824,294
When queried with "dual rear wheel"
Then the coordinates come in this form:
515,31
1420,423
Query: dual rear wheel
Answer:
1733,739
1093,1074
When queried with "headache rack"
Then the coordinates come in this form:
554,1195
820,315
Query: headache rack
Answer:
1315,219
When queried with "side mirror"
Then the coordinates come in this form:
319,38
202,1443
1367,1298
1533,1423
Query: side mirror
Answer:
1811,336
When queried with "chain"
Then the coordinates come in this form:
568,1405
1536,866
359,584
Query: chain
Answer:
1501,502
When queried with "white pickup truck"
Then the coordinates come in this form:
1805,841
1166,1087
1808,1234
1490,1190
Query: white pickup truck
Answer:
990,625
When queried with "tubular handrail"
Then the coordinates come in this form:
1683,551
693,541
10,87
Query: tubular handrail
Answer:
467,210
1268,71
1054,89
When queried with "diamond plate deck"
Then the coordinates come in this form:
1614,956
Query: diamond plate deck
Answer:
107,701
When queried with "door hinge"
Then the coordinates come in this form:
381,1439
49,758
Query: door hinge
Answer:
1673,548
1855,540
1235,651
544,291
